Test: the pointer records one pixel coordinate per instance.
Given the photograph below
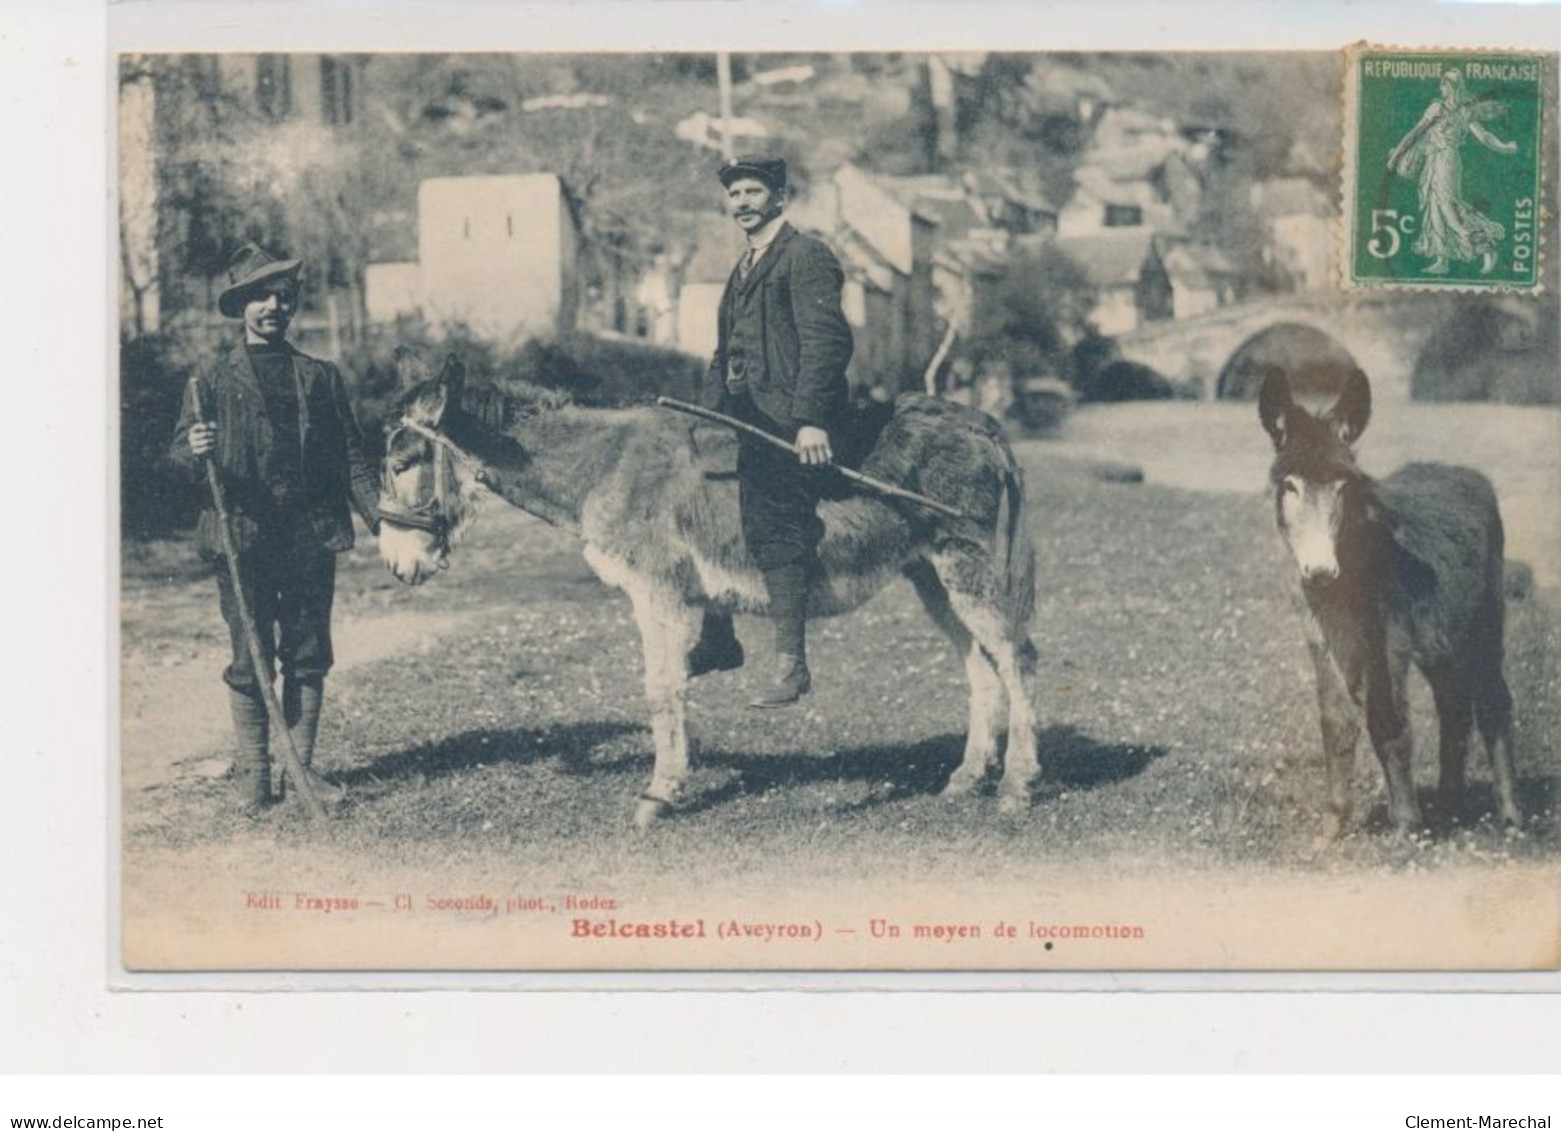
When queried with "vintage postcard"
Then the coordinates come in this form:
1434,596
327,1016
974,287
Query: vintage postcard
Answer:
838,511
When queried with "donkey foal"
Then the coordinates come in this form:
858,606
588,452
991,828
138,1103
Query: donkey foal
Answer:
1408,568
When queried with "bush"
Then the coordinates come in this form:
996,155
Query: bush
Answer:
1042,404
1490,350
604,372
153,371
1127,381
617,371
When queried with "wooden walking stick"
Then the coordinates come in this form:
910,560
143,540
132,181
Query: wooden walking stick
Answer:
855,476
291,760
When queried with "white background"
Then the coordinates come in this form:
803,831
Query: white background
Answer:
56,1012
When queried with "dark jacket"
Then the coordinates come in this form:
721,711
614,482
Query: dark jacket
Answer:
335,468
783,325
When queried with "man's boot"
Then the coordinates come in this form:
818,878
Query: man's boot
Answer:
302,699
717,649
788,680
251,759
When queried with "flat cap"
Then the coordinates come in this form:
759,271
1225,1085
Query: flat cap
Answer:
770,170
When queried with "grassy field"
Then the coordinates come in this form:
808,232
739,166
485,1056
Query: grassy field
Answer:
1218,447
490,725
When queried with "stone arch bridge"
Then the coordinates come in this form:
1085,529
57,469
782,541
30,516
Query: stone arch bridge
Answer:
1384,331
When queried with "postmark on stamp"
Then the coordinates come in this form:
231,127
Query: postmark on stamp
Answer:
1442,185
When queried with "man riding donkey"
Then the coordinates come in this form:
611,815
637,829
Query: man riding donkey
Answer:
780,364
290,458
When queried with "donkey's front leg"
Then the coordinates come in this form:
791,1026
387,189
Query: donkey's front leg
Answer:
1340,722
1387,721
667,631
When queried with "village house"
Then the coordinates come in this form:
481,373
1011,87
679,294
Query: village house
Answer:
698,286
1007,205
656,303
1102,202
873,300
497,254
1299,220
1202,279
1063,91
323,89
887,247
1130,279
1139,171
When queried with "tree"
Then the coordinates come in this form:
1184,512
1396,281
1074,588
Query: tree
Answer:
1040,308
138,201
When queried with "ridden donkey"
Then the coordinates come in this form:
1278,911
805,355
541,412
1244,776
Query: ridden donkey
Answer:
652,498
1405,568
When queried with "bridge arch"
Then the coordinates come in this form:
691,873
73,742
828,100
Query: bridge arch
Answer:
1314,360
1384,334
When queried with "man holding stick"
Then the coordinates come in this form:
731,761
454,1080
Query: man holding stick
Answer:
783,344
290,458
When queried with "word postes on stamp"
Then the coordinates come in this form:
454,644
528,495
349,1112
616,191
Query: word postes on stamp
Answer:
1442,182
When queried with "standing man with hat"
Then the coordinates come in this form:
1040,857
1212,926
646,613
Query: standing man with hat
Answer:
780,364
291,457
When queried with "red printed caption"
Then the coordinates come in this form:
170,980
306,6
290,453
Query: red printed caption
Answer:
590,917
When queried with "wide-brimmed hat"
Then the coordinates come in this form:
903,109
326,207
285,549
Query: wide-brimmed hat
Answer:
770,170
248,269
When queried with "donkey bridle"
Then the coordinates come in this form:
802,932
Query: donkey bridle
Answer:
429,516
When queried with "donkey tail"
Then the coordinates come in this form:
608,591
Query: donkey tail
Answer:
1013,551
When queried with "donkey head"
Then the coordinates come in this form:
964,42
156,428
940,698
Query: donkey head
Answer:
421,507
1315,477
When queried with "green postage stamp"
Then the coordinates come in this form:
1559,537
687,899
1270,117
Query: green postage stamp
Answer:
1443,151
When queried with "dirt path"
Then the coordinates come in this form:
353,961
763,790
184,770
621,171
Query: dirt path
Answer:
173,704
174,711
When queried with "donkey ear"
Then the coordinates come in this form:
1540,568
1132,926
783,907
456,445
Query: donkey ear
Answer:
452,381
1274,404
1352,411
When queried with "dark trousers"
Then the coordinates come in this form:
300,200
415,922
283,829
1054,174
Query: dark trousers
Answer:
777,495
289,585
778,498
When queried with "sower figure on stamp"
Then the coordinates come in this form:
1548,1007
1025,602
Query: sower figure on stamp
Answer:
291,458
1450,227
780,363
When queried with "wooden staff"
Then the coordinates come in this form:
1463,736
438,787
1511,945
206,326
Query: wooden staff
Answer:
855,476
290,757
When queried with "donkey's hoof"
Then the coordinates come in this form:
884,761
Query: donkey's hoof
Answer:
962,782
650,810
1335,825
1408,828
1014,800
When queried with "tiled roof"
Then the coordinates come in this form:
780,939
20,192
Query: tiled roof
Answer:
1111,258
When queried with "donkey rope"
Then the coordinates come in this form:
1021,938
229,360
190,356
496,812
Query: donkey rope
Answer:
1406,568
649,497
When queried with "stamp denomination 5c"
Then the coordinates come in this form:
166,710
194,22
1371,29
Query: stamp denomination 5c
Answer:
1442,182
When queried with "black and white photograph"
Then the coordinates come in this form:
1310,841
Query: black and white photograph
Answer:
836,510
